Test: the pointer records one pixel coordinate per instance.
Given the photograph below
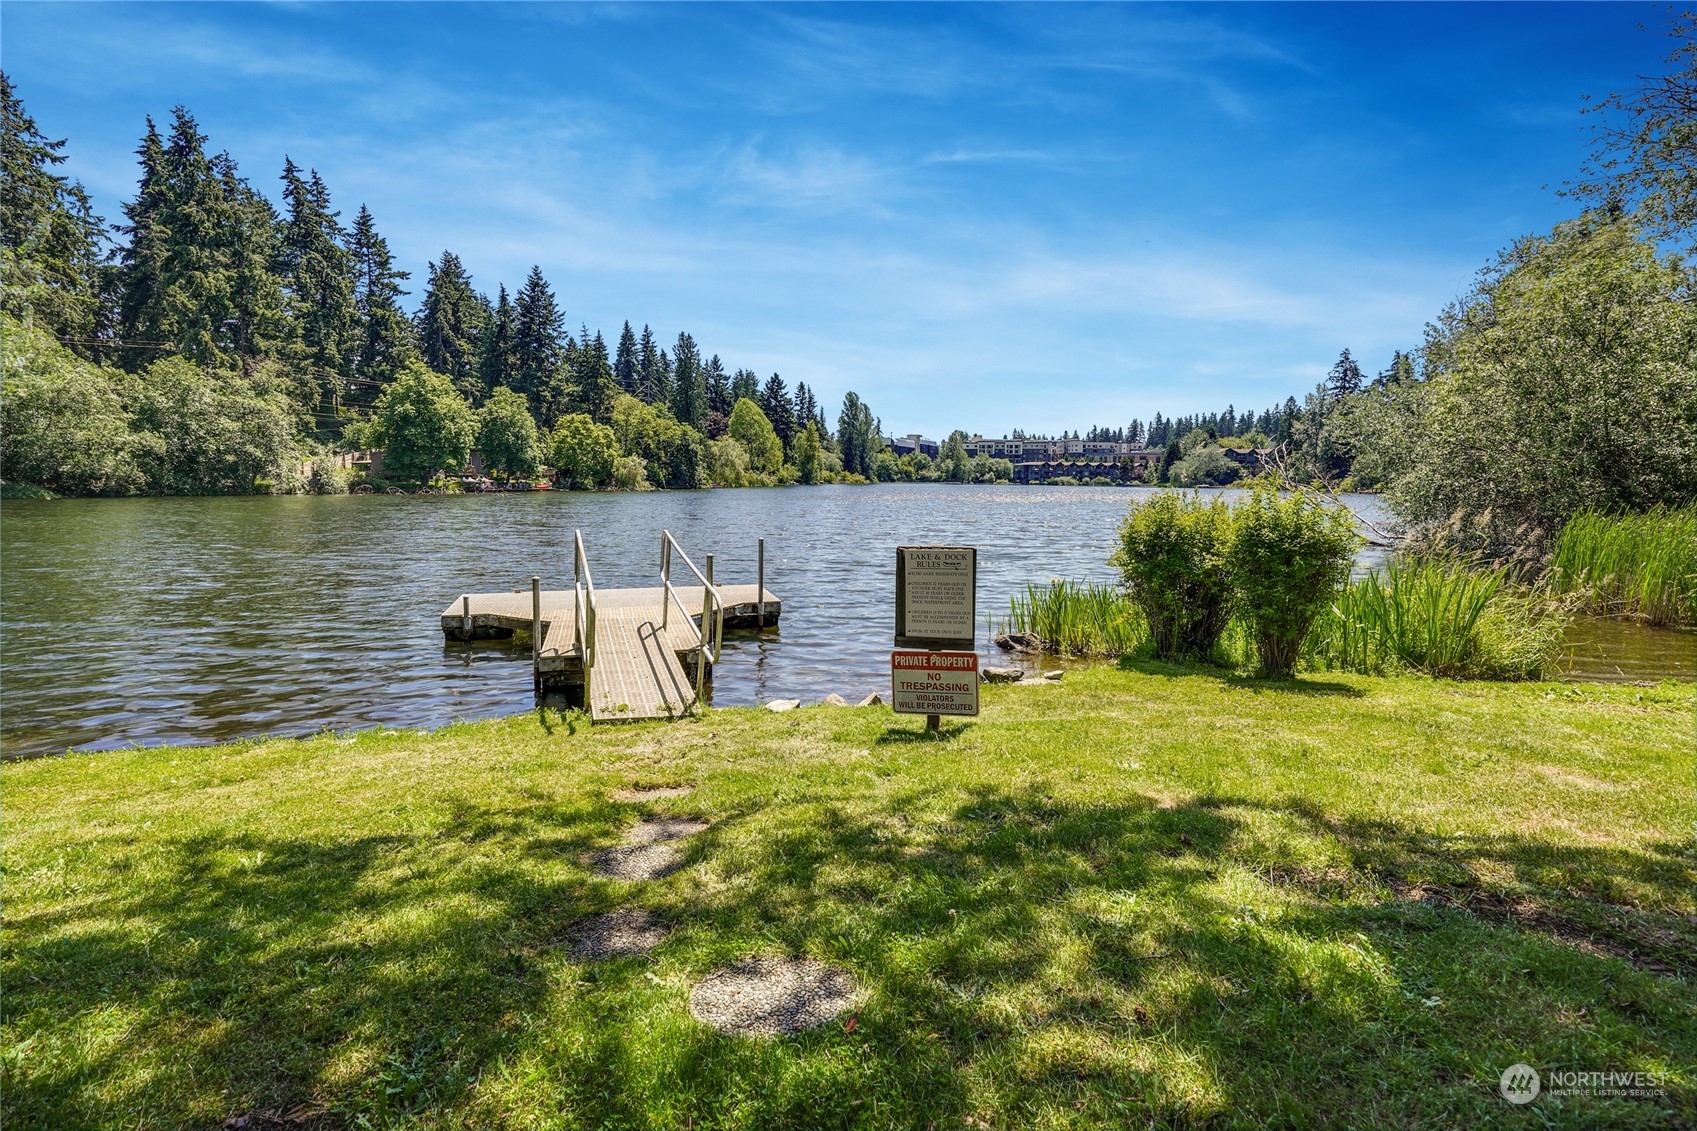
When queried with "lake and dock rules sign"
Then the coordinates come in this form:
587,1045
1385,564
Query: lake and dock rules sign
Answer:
934,670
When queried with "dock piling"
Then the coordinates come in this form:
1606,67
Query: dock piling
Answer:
465,617
760,583
535,618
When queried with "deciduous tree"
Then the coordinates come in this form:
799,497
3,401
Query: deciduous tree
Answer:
584,451
1645,153
423,424
506,434
750,428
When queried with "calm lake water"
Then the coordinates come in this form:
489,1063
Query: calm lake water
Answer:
153,621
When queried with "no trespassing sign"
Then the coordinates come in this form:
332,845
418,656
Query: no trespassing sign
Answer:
934,683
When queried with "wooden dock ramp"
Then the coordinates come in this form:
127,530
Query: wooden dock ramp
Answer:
631,653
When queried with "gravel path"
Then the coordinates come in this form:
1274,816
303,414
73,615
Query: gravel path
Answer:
662,829
617,934
637,862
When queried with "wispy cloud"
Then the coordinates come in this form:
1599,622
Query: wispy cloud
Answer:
986,156
201,44
812,178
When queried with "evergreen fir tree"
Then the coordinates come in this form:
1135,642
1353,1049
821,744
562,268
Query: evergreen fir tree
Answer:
260,325
142,258
1344,378
318,279
744,385
625,363
718,384
383,334
806,407
451,322
1287,420
539,351
689,389
50,239
1169,457
652,383
779,409
495,361
185,238
1400,370
594,384
663,380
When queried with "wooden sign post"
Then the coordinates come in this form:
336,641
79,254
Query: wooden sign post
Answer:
934,671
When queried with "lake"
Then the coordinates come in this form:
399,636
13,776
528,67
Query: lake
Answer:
185,620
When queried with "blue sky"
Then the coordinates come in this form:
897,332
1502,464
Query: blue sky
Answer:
984,217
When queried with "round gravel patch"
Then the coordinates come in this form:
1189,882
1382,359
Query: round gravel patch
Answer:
769,996
663,829
653,793
637,862
617,934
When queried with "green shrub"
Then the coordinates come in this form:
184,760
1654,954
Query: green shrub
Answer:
1172,557
1640,565
328,479
1287,558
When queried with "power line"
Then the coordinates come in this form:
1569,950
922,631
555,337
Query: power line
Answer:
114,343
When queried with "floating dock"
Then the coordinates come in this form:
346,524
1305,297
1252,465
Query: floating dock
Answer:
630,653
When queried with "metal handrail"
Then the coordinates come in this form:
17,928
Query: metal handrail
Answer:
583,587
712,608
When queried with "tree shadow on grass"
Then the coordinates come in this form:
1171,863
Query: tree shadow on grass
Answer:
1026,959
1095,965
246,966
1298,685
947,732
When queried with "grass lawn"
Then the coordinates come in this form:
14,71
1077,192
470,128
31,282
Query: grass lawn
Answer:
1145,897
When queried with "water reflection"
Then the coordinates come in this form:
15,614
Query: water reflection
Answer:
1609,651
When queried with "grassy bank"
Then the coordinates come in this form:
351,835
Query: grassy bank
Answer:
1146,896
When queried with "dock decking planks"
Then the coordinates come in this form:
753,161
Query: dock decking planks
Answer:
637,674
